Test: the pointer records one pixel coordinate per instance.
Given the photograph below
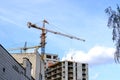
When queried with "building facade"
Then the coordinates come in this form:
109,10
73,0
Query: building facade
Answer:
67,70
35,61
10,69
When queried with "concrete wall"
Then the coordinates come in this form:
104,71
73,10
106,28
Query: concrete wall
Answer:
10,69
34,58
27,65
79,71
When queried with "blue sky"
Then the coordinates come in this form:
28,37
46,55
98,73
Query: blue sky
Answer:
82,18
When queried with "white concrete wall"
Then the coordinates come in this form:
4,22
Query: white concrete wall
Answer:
66,70
74,71
79,71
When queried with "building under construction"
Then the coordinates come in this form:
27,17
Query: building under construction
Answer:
46,66
67,70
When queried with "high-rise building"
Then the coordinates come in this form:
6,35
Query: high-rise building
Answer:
67,70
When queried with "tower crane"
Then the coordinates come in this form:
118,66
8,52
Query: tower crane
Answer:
43,42
43,35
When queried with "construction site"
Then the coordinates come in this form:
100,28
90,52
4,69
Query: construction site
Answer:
40,65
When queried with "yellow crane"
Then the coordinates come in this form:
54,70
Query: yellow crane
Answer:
43,35
43,39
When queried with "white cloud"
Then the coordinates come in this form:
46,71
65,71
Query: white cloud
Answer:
96,55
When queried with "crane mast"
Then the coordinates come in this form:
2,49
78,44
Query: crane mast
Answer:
43,35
